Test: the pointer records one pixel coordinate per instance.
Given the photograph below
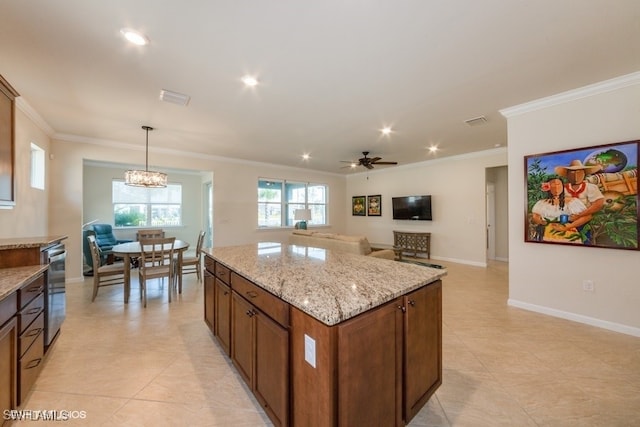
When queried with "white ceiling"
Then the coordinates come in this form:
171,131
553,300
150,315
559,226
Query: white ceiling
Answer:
332,72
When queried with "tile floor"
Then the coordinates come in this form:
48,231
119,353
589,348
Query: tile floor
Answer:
159,366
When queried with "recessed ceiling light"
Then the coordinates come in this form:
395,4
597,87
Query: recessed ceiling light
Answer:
134,36
433,148
250,81
353,165
305,157
386,130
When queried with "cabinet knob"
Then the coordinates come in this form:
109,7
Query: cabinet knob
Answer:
402,307
412,302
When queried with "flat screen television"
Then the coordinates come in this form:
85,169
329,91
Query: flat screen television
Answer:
417,208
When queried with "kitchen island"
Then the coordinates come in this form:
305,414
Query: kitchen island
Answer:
327,338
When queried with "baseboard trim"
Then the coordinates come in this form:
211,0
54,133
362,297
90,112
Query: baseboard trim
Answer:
604,324
460,261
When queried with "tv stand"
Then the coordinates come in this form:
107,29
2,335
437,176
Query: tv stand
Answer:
415,242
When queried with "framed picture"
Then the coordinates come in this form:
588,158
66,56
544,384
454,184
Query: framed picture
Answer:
358,206
584,197
374,205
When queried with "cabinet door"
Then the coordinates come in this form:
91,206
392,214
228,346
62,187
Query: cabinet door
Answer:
272,368
209,299
8,364
242,337
223,315
370,368
423,347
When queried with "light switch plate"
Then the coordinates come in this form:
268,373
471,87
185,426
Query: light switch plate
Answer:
310,350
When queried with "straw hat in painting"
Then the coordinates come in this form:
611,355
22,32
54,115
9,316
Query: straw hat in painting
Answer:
577,165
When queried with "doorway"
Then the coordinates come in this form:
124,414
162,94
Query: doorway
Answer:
497,215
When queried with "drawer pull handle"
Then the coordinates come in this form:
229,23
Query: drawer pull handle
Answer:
37,290
252,294
34,310
33,363
33,332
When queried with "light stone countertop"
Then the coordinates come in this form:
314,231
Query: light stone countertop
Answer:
328,285
29,242
12,279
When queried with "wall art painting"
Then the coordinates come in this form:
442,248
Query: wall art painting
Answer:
374,205
358,206
584,197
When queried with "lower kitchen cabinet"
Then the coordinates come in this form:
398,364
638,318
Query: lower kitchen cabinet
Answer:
223,315
8,363
422,347
209,300
260,350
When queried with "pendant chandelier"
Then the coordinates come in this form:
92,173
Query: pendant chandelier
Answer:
145,178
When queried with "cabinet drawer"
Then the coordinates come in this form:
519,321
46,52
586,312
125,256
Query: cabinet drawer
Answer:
8,307
29,367
28,292
222,273
29,313
273,306
209,264
31,333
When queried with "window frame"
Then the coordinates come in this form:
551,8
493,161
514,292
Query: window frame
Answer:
287,204
149,205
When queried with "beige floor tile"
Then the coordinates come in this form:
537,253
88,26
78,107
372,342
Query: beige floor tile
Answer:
130,366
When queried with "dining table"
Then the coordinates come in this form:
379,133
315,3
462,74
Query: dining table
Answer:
132,250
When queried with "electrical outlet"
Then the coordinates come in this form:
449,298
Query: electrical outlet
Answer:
588,286
310,350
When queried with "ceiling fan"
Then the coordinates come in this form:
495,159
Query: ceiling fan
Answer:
368,162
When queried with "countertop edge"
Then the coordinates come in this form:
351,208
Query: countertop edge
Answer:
12,279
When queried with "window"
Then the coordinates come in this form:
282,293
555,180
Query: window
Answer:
37,167
278,200
146,207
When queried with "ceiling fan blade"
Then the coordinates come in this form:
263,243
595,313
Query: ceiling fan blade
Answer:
386,163
368,166
375,159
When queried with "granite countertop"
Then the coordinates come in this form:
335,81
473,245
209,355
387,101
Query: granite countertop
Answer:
328,285
29,242
12,279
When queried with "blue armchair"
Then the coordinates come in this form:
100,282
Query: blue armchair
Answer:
105,239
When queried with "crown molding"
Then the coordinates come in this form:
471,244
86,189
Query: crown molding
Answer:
33,115
573,95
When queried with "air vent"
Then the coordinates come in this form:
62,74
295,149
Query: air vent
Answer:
476,121
174,97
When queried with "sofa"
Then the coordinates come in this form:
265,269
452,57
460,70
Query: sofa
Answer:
339,242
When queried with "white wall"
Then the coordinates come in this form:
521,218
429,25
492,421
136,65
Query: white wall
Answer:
457,187
548,278
29,216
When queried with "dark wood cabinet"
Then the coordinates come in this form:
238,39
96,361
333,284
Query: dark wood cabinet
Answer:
8,354
31,303
209,300
422,347
222,315
370,358
260,347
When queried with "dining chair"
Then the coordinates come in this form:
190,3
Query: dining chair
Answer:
153,233
192,263
104,275
156,262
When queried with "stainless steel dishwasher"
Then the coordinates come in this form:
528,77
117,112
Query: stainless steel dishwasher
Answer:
55,291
